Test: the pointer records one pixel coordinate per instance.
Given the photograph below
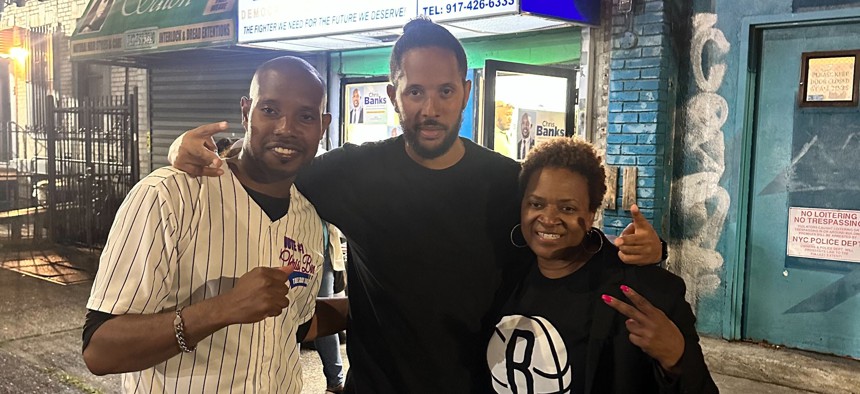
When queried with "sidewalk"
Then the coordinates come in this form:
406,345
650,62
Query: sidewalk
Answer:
811,372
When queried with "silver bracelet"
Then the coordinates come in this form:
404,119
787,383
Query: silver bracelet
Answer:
179,330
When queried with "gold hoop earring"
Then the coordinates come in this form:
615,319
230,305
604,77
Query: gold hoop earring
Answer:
512,237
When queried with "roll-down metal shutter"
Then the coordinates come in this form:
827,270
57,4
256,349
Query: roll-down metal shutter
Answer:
186,94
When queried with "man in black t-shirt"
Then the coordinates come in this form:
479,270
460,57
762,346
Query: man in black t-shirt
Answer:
428,217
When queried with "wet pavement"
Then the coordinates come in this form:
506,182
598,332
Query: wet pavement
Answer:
40,339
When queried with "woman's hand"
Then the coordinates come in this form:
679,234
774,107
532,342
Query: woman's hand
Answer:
650,329
639,243
194,151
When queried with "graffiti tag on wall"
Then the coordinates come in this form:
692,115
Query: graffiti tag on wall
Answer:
697,196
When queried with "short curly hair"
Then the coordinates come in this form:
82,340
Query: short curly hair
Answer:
573,154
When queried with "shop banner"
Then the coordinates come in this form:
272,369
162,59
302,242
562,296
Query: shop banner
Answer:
271,20
826,234
121,27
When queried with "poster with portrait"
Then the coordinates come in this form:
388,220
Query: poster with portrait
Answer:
524,126
367,113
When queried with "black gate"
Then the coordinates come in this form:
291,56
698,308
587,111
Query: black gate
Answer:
92,164
65,179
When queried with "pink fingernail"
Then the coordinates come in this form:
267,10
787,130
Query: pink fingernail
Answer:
625,289
607,299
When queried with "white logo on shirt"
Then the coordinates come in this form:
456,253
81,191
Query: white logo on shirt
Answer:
527,355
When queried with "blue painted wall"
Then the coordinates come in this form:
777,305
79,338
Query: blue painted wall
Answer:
643,68
717,311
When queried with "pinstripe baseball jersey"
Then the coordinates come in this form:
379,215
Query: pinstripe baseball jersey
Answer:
177,240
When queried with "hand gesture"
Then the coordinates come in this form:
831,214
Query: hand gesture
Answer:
639,243
650,329
260,293
194,151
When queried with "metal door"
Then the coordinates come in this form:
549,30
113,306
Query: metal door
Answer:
803,274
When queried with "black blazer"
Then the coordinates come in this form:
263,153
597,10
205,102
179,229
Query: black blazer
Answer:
613,363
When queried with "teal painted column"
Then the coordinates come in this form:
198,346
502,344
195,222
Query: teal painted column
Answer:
643,68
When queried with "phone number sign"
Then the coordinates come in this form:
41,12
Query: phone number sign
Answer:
442,11
827,234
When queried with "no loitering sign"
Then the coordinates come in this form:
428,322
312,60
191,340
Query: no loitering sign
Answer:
826,234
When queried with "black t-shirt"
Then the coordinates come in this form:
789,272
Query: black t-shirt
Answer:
540,344
430,250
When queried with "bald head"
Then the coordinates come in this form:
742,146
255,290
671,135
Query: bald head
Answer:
285,67
284,119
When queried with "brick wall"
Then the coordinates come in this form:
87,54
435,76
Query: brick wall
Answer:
642,71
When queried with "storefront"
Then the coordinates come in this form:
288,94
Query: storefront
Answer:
523,58
194,72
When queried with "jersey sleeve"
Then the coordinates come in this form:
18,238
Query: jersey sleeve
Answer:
134,274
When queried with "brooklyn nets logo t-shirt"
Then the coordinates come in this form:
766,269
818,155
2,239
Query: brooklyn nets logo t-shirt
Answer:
539,345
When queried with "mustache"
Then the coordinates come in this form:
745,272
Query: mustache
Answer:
431,123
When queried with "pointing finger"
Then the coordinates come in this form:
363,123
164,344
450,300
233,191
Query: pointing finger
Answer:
638,218
208,130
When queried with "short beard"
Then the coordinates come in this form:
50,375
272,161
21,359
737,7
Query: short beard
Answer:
411,136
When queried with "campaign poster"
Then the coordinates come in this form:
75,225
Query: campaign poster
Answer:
534,127
368,114
524,126
549,125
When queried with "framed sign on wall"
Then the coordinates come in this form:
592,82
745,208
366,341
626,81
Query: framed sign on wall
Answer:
829,79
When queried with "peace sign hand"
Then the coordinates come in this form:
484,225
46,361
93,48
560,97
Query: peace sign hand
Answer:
650,329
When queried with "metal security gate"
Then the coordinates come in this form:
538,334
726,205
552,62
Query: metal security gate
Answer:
188,91
92,164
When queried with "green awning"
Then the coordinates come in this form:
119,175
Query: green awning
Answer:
113,28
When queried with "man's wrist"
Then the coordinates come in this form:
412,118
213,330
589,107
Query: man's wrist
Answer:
179,332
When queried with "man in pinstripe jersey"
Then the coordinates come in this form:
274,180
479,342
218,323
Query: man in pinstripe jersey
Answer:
208,285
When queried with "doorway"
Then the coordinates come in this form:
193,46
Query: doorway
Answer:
802,285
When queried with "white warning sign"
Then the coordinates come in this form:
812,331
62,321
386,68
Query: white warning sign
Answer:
826,234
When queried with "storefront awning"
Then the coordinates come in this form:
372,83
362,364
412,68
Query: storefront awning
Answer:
114,28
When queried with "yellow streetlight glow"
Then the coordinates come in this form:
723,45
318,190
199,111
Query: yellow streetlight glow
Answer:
19,54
